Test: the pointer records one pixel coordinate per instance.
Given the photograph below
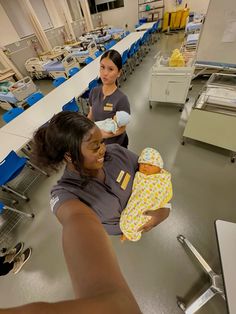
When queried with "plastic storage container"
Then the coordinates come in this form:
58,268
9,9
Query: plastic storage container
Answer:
23,88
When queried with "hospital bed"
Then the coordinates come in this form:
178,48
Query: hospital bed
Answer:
208,68
35,67
17,93
213,117
191,40
8,98
102,39
193,27
61,68
81,55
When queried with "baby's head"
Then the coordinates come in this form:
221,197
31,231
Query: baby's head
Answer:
122,118
150,161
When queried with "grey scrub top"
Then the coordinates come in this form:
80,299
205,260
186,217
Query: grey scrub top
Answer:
106,108
106,199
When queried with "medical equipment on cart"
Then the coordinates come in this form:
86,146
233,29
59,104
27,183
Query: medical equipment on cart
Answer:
35,67
213,118
4,86
81,55
170,84
4,90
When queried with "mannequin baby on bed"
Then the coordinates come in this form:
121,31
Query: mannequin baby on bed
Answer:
121,118
152,189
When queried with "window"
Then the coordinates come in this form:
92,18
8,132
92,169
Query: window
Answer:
104,5
116,4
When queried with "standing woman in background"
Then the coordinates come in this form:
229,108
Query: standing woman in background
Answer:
106,99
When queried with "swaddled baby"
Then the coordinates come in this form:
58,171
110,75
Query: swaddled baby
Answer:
152,189
111,125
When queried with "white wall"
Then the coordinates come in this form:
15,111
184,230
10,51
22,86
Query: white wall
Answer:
129,13
199,6
8,34
121,16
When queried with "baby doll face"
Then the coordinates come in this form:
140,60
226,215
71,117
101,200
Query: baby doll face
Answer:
149,169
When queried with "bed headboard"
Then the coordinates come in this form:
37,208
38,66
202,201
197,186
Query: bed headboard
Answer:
216,43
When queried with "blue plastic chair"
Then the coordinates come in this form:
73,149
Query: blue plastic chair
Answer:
11,114
125,57
4,207
10,168
32,99
85,95
124,63
88,60
107,46
58,81
98,53
131,56
143,20
71,106
73,71
92,84
112,43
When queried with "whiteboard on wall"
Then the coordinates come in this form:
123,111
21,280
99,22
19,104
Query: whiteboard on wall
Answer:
218,36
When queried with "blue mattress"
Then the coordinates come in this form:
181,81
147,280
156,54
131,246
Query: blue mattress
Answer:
54,66
79,53
192,38
190,27
9,97
103,39
216,64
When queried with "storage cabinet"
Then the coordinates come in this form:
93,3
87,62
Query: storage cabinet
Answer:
169,84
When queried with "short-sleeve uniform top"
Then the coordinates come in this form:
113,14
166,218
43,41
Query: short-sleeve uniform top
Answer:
106,199
104,108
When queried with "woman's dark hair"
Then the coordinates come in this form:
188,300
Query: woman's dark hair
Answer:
114,56
63,134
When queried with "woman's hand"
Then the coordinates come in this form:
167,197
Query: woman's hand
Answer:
106,134
110,134
157,215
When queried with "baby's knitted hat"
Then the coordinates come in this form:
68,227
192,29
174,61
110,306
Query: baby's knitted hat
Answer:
122,118
151,156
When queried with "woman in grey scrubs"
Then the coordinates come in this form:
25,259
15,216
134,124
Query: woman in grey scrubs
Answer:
96,177
96,185
106,99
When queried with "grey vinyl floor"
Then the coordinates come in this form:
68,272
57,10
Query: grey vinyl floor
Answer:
157,268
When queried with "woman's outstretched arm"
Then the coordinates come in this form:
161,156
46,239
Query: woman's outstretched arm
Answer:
98,283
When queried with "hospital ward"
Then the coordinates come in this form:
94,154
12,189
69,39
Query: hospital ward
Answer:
117,156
